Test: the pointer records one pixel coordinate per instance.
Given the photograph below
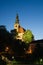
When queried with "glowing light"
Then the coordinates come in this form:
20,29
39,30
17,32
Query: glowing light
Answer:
30,49
7,48
12,57
40,60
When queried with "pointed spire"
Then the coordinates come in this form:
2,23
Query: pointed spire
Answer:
17,19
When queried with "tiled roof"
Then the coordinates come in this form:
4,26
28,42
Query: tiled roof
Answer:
21,30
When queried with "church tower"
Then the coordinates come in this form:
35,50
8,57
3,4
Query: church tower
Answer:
17,25
18,28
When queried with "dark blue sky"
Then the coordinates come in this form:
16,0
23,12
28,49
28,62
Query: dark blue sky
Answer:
30,15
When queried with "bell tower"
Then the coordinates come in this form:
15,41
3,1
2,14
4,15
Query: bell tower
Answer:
16,25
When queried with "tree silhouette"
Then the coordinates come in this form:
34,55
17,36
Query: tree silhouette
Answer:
5,37
14,33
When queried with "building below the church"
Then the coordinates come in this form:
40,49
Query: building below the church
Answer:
20,30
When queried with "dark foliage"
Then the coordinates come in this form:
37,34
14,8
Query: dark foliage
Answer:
17,47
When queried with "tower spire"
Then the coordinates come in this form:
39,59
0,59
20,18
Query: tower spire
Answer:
16,25
17,19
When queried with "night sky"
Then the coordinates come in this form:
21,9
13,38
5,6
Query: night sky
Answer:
30,15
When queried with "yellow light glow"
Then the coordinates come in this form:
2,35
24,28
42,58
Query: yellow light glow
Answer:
7,48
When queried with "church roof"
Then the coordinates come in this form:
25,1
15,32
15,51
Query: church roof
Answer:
21,30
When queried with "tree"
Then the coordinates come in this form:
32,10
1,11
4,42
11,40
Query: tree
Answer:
28,36
5,38
14,33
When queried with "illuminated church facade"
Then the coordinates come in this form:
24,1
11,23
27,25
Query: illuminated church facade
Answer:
18,28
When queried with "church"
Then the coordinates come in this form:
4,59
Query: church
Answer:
20,30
